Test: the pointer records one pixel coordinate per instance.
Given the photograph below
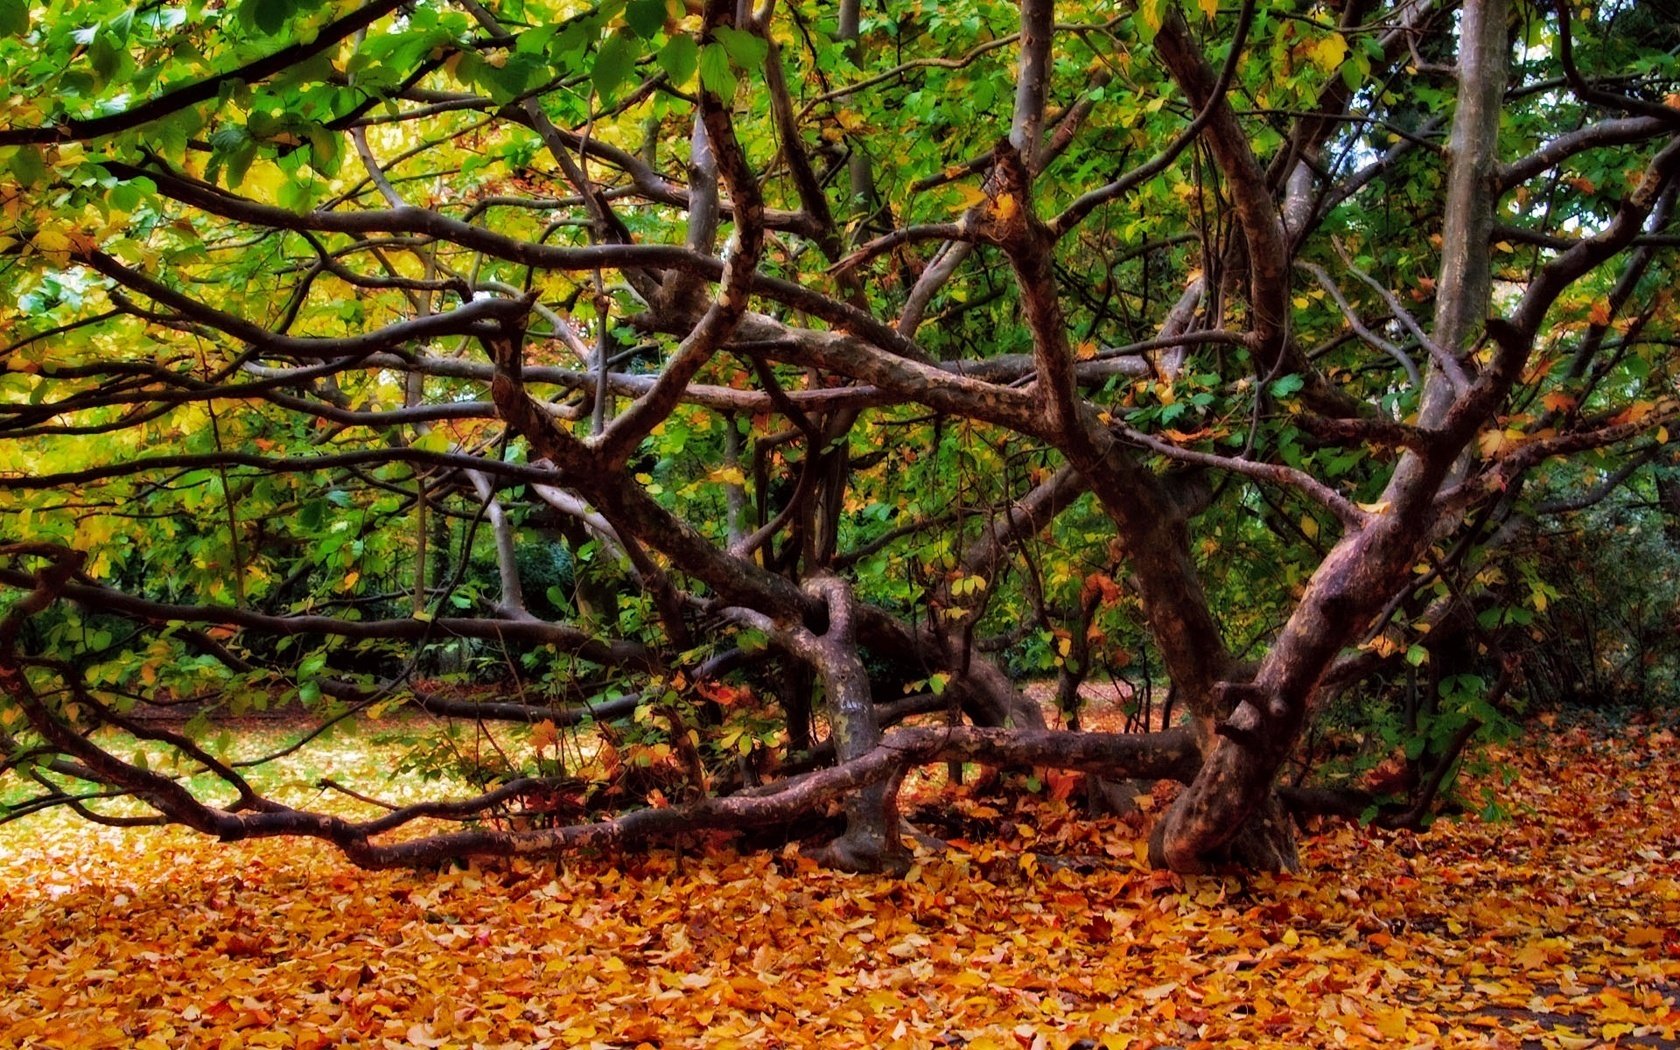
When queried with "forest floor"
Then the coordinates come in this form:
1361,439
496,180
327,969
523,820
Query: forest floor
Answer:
1555,926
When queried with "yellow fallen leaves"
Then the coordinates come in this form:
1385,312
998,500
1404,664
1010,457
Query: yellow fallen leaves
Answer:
1557,928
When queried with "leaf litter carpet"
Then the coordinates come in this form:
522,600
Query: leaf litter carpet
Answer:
1558,926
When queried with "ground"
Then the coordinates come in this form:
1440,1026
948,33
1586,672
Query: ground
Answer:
1556,926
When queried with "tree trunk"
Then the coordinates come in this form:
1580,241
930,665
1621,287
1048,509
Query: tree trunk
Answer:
872,840
1230,813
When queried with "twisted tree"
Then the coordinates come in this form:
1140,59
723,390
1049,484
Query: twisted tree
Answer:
752,380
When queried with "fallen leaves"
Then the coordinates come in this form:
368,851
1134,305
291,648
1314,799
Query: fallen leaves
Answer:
1556,928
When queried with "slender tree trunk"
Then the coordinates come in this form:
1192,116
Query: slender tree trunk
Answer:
860,175
872,840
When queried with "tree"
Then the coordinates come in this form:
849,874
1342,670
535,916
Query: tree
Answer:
675,358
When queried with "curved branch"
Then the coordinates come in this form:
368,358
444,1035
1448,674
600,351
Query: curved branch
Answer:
468,319
568,639
1348,514
274,464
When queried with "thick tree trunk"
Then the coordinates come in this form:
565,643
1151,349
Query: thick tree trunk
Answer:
1230,814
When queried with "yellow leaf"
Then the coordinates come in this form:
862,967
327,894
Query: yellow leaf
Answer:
1309,526
968,197
1209,8
1492,443
1530,957
1641,936
1393,1023
1152,14
1329,52
1005,207
54,244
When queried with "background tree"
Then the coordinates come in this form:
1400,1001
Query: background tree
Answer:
742,382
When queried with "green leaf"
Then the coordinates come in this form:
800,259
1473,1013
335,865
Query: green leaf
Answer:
680,57
1355,70
295,195
104,57
127,196
266,16
14,17
751,641
239,162
229,138
436,441
715,74
535,41
324,149
28,166
613,63
1286,385
748,50
646,17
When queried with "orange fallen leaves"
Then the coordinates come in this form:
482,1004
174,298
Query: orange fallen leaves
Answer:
1556,928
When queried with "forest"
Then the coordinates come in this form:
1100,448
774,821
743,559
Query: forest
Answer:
692,422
